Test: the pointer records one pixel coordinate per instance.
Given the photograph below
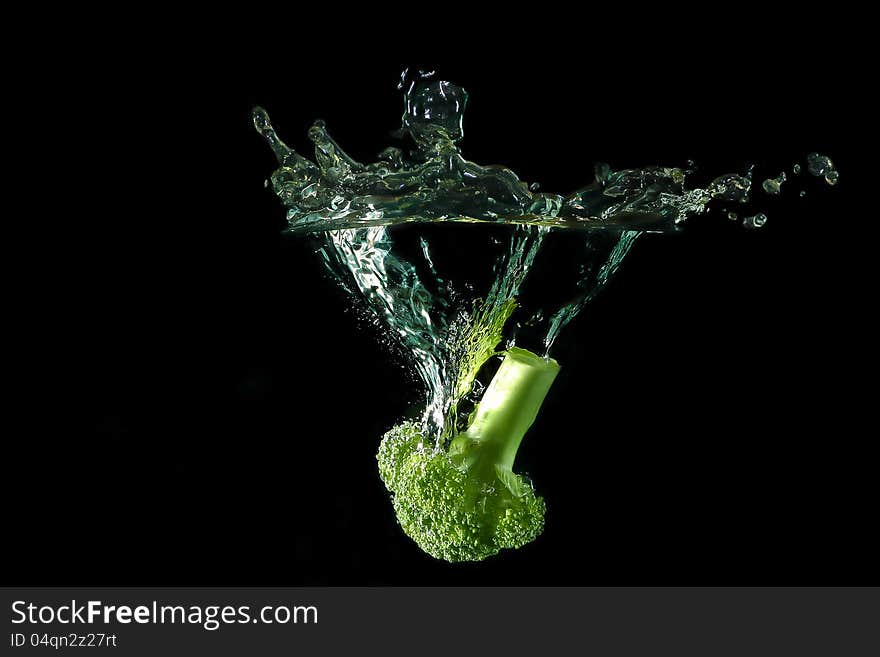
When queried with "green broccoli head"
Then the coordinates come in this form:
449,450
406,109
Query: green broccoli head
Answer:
465,503
447,511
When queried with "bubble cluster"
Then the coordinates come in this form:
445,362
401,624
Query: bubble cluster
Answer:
821,166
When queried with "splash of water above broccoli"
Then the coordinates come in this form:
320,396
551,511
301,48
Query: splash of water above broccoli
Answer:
464,502
460,499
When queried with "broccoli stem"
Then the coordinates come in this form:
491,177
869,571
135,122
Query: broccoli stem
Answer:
507,410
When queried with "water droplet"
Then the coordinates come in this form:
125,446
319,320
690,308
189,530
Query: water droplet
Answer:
535,319
818,164
773,185
349,204
755,221
261,119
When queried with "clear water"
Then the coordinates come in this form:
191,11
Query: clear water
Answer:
449,333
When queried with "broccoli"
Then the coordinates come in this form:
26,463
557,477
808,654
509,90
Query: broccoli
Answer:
464,502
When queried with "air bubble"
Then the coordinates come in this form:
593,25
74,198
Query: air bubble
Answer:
774,185
755,221
819,165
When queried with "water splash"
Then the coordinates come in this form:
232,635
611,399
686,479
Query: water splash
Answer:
363,263
603,256
449,333
446,334
435,183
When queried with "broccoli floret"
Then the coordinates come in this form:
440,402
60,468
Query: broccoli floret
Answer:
465,503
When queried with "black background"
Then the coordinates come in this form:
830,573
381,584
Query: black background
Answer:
202,406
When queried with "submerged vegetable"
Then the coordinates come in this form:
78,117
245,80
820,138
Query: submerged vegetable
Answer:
466,503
